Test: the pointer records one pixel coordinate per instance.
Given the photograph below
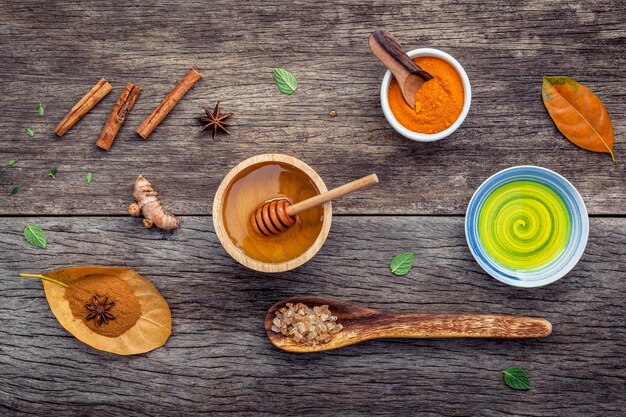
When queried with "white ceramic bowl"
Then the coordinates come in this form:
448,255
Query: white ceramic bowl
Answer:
425,137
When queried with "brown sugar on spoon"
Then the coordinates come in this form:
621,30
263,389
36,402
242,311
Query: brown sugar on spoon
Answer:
305,325
147,203
359,323
276,216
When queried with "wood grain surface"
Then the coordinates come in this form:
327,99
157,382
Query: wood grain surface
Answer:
218,360
52,52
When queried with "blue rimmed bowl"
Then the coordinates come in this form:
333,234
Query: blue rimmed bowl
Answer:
571,247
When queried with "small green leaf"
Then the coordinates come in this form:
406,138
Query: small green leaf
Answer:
89,176
516,378
41,110
30,132
53,172
402,263
14,190
285,81
12,162
35,236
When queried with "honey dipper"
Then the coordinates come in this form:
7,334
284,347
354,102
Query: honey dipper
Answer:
276,216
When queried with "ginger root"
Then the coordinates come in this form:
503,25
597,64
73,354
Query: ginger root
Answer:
147,203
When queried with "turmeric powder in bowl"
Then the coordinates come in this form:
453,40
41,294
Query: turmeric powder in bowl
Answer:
438,103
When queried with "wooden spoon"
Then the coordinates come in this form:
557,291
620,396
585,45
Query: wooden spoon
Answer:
408,74
362,323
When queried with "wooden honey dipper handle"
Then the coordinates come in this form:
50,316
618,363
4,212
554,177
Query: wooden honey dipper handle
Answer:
320,199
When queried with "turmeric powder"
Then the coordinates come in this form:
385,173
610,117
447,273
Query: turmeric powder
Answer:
438,103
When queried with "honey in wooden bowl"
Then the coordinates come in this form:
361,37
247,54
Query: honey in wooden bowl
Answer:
256,181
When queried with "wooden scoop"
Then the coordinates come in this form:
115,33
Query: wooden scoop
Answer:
278,215
361,324
409,75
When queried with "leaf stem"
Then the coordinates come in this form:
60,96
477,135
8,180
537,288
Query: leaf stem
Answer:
45,278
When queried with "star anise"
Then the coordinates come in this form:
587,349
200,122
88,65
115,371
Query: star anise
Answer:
214,120
99,310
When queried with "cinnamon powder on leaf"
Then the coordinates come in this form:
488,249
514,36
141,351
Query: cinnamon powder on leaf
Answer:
128,316
126,308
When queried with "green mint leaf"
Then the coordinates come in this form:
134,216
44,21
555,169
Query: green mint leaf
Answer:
41,110
12,162
402,263
516,378
14,190
35,236
89,176
285,81
53,172
30,132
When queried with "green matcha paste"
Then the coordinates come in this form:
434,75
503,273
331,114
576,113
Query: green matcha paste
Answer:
524,225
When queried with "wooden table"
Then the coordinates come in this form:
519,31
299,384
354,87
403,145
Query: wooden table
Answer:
218,360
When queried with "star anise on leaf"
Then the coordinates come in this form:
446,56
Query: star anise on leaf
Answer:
99,310
214,120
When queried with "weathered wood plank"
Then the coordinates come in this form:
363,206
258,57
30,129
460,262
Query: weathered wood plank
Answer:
53,51
218,360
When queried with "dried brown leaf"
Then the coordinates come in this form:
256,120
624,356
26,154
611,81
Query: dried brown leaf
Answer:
151,330
579,114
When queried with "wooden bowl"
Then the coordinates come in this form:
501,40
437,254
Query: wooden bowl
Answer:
238,254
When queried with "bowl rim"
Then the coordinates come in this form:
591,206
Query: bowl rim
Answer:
426,137
237,254
581,245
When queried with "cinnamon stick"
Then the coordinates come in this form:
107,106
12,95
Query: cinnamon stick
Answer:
168,103
84,105
116,118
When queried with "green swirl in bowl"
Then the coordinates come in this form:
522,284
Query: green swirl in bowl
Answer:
524,225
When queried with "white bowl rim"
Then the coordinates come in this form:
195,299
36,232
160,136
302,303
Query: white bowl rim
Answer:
584,236
425,137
